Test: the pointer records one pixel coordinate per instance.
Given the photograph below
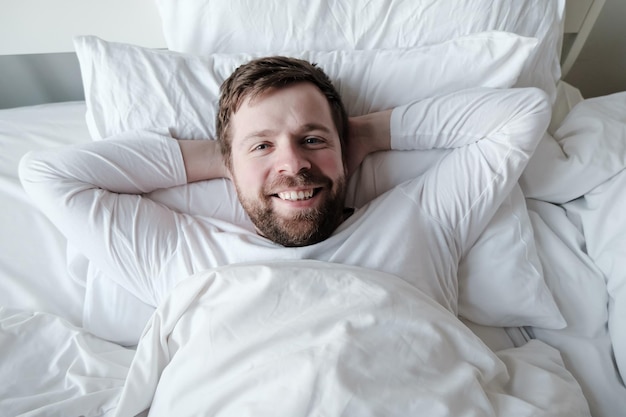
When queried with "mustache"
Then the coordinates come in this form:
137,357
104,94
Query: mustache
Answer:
301,179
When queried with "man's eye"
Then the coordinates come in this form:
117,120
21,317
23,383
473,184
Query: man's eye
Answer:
261,147
311,140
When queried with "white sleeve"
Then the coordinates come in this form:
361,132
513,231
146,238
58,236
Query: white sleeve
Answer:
493,134
92,193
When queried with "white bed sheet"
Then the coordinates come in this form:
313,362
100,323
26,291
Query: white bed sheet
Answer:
33,270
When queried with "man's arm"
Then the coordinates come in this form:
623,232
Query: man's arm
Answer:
203,160
493,133
490,133
368,134
92,193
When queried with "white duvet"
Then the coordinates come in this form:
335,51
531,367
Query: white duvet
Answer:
301,338
308,338
576,182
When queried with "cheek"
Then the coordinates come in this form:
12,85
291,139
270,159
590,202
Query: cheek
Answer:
248,175
332,166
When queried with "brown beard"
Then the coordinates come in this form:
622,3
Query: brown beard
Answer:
307,227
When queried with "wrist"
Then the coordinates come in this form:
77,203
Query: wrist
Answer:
372,131
203,160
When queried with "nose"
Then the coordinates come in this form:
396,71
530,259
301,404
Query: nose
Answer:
291,159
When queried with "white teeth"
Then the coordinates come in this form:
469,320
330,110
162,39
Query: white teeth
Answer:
296,195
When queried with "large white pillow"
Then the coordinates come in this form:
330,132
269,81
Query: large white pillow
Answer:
133,88
179,92
210,26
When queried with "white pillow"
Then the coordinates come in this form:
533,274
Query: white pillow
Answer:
128,87
115,75
234,26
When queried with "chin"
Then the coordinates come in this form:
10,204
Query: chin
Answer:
304,227
302,230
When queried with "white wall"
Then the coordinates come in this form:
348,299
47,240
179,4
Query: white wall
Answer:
601,66
56,22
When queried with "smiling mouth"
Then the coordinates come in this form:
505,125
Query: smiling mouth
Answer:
300,195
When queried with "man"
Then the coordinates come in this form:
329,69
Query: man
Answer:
284,142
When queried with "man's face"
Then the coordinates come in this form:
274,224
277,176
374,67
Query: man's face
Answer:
287,165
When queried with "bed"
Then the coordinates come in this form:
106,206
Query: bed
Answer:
541,294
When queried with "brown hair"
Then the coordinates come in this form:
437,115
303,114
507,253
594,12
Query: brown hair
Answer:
259,75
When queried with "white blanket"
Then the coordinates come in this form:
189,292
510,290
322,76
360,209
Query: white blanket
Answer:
321,339
51,368
301,338
577,182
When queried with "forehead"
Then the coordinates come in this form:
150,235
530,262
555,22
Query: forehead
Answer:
286,108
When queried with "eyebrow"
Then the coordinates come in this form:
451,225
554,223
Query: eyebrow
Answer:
306,128
309,127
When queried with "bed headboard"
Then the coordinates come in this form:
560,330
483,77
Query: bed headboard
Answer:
580,16
39,66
